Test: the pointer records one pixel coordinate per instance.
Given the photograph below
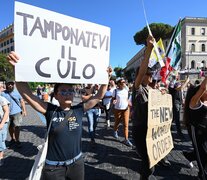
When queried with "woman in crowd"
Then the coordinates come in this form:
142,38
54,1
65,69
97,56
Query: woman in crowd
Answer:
195,115
64,157
4,119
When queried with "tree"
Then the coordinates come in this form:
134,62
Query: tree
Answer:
118,71
159,30
6,69
129,75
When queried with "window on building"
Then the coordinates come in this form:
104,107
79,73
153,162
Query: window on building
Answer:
193,47
4,43
7,42
203,48
192,31
203,31
12,48
11,40
204,65
192,64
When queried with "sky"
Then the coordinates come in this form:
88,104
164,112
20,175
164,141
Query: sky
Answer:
124,17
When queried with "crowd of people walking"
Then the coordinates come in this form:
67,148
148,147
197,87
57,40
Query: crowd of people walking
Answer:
118,99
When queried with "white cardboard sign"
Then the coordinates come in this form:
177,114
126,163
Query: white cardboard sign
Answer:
58,48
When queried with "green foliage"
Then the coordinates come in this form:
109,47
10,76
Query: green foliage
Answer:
6,69
128,74
118,71
33,85
159,30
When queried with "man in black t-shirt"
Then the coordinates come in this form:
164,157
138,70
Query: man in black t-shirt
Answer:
175,89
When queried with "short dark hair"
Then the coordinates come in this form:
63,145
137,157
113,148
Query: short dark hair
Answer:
57,85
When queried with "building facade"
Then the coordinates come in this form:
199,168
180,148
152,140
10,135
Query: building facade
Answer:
193,43
7,39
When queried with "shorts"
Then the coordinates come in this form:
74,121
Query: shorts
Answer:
3,136
15,119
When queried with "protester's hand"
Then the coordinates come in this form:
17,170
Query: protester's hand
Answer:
163,91
114,101
12,58
150,41
109,71
1,126
24,113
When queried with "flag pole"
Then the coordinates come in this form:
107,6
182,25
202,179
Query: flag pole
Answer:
154,43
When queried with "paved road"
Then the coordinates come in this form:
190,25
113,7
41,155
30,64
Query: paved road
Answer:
110,159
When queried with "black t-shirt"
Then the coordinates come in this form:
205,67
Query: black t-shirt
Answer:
198,116
176,95
140,106
65,135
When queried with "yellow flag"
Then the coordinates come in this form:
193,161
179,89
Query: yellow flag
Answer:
153,57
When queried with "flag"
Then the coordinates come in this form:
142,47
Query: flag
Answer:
154,59
173,53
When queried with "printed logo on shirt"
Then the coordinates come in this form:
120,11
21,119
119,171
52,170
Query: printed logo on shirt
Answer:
60,119
72,124
72,118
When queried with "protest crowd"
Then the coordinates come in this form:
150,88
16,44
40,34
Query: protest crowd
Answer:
121,101
152,102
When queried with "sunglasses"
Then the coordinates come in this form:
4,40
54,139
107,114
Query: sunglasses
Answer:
9,83
69,92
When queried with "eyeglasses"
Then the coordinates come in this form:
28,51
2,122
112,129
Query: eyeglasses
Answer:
69,92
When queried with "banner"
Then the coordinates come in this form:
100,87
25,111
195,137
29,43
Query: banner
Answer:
174,51
58,48
159,139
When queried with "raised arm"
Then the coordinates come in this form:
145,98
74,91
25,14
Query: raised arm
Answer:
99,96
24,112
197,97
183,85
24,89
144,63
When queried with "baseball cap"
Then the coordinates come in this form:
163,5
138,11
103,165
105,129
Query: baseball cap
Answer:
9,81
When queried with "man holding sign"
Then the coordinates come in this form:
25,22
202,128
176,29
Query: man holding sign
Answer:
140,113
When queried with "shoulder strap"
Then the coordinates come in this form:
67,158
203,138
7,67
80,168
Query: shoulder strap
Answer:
68,114
115,93
48,130
15,100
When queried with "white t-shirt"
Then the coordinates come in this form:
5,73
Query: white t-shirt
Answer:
107,100
3,102
121,99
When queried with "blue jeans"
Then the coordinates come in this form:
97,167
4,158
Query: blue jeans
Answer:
3,136
92,117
